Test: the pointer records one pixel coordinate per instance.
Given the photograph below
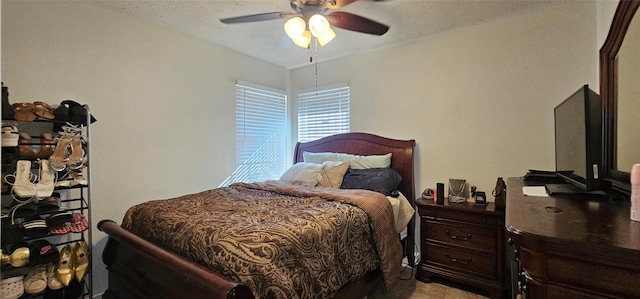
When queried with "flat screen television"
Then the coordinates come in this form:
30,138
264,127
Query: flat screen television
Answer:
578,143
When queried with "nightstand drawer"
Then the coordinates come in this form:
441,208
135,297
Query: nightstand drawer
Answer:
472,262
463,242
476,239
461,216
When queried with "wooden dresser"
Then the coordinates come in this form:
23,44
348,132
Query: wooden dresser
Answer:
573,247
463,242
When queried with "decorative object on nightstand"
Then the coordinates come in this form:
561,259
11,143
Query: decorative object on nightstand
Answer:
457,190
480,198
440,193
499,193
463,242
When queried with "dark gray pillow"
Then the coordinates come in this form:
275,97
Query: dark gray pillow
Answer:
383,180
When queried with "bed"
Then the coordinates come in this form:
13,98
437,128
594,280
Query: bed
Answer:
140,268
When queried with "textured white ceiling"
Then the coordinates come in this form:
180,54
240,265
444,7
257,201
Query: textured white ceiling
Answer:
407,19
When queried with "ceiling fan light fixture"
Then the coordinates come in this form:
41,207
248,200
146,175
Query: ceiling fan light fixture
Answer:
325,38
303,40
319,25
295,27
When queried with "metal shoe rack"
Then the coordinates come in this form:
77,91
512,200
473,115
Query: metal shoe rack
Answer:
74,199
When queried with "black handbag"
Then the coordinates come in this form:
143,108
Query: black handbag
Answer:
70,111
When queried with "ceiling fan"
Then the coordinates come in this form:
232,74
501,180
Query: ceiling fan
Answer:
313,18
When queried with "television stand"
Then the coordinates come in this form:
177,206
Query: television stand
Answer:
571,190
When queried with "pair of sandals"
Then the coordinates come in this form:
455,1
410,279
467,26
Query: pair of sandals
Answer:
32,111
40,277
25,184
35,228
45,143
32,227
69,151
36,282
65,223
67,111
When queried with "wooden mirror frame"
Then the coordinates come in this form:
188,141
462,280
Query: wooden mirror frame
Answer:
609,93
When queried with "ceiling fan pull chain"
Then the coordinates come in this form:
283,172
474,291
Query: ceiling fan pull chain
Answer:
316,63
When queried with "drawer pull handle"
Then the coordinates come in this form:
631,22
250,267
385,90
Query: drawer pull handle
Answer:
456,260
456,237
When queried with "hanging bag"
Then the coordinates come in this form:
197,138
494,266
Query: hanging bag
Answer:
70,111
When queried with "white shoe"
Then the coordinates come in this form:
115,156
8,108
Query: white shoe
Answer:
9,136
71,178
46,180
64,180
78,178
23,185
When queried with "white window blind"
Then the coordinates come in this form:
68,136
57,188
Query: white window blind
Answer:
324,112
261,134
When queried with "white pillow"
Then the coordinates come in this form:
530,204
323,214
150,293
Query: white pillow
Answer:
305,172
355,161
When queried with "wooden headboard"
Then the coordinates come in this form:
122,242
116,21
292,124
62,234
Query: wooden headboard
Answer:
368,144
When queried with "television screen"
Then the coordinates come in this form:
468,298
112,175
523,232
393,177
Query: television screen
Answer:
578,139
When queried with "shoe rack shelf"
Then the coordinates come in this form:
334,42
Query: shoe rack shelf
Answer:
66,228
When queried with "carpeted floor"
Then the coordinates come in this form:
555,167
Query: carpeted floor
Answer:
410,288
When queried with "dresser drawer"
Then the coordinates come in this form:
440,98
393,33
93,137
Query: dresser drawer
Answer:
470,262
464,236
459,216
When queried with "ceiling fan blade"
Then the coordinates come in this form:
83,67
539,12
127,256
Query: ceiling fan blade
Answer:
339,4
343,3
357,23
256,18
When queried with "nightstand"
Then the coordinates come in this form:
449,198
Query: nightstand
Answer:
463,242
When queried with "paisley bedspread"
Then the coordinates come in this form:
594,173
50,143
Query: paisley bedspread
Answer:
281,240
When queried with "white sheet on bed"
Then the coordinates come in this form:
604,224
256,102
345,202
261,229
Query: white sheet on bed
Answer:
402,212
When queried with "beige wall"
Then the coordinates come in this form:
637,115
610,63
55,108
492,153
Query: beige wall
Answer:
477,100
606,9
165,102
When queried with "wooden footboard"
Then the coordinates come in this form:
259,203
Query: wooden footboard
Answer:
139,269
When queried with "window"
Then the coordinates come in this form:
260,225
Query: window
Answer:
261,142
322,113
